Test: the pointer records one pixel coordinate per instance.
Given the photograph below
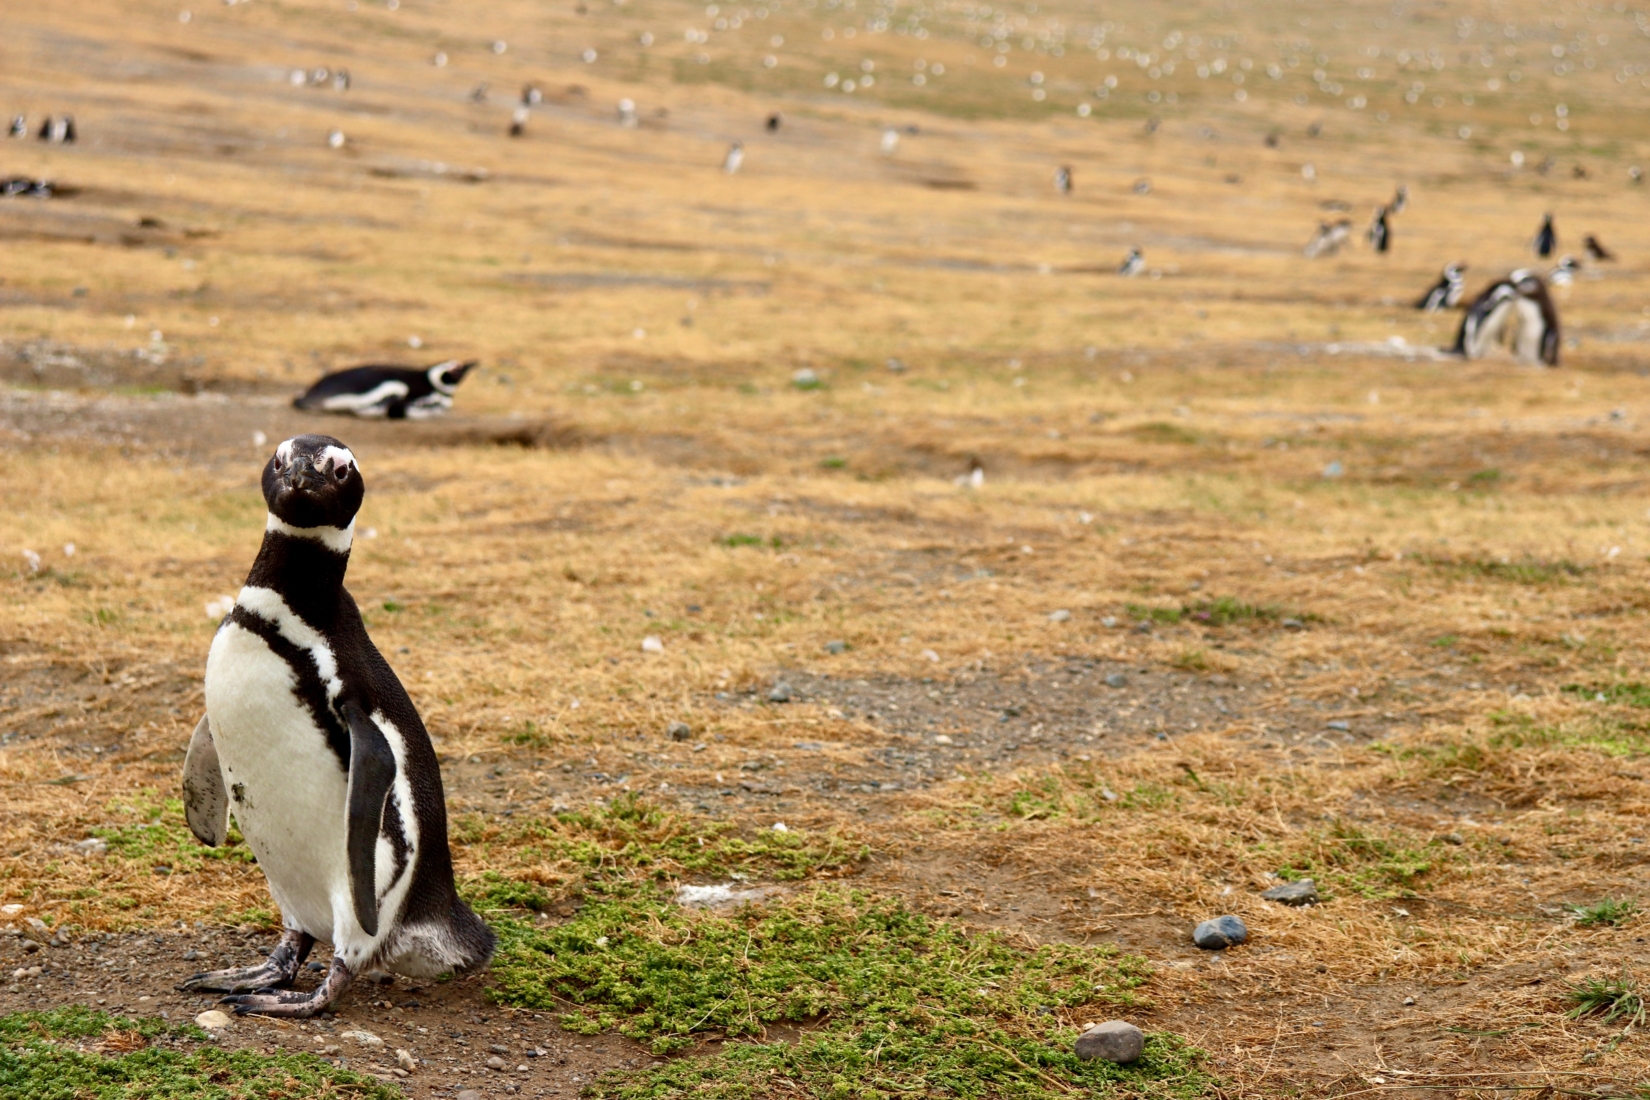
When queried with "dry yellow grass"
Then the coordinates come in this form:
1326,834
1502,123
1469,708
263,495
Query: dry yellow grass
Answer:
1464,540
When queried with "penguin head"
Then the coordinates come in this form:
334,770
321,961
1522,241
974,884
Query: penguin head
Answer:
313,481
445,377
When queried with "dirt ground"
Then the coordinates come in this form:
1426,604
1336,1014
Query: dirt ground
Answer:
1255,582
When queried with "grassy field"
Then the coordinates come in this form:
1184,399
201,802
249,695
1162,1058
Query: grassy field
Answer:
1257,585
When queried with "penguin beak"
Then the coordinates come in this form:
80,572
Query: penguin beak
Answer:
301,475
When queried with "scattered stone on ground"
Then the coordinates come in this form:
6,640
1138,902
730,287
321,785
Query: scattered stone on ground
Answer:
1113,1041
1300,892
679,731
781,693
212,1020
1221,932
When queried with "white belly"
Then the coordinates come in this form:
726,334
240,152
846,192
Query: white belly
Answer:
288,793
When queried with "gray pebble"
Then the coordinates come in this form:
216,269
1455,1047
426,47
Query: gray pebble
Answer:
1113,1041
679,731
1454,838
499,1048
1227,931
191,955
1059,616
1344,727
495,1062
781,693
1117,680
1300,892
836,647
469,1094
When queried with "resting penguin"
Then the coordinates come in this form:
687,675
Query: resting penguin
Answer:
311,742
394,392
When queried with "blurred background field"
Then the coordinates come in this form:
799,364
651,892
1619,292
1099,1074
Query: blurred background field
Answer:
1256,582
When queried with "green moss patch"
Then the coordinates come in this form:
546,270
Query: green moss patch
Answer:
875,999
80,1054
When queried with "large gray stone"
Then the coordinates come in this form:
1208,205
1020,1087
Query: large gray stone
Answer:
1300,892
1222,932
1113,1041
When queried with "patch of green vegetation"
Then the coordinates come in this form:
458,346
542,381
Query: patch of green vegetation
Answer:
529,734
157,835
1159,431
736,540
1445,641
1610,911
393,606
1632,693
1517,731
1226,610
1611,999
78,1053
1192,659
894,1001
1345,856
1484,478
833,462
888,1000
1153,614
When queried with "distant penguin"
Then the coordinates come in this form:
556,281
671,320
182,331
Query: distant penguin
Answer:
1142,186
478,94
974,478
1328,239
735,158
531,95
1516,311
1565,273
627,114
1596,250
890,142
775,120
1446,293
394,393
1062,179
340,80
1380,231
1400,200
311,742
57,130
19,126
518,121
1133,264
1546,238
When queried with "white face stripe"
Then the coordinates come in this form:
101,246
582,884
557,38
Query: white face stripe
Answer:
336,458
267,604
434,375
336,539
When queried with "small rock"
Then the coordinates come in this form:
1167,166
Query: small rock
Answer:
93,846
781,693
836,647
1300,892
805,379
1409,1000
1109,621
1059,616
212,1020
1113,1041
1117,680
1293,624
942,739
678,731
365,1038
499,1048
30,947
1144,626
1108,794
522,1068
405,1060
468,1094
1454,838
495,1062
1344,727
191,955
1227,931
42,931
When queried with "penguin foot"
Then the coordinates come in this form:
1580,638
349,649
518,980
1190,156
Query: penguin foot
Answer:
291,1003
281,967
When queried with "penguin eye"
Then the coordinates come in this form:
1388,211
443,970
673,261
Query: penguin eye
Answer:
342,471
278,462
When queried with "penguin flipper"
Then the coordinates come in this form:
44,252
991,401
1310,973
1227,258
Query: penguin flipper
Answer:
371,772
205,802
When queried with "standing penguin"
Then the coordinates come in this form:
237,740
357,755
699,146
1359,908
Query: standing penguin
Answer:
1546,238
1062,179
311,742
1380,231
735,158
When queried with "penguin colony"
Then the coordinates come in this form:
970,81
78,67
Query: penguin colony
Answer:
311,743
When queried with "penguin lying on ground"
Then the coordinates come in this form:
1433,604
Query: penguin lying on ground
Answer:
1516,311
311,742
397,393
1329,239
